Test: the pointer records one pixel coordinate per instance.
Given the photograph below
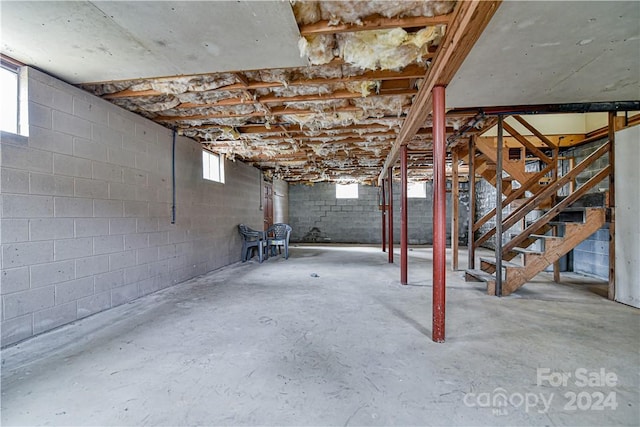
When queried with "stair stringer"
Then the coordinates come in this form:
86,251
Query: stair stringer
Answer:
575,233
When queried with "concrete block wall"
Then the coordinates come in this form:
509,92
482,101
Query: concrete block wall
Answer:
591,257
86,210
317,216
280,201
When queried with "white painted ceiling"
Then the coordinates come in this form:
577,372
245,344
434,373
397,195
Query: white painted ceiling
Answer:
82,41
553,52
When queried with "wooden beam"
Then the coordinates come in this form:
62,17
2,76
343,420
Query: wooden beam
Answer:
128,93
222,103
270,99
260,128
396,84
242,78
276,112
524,141
256,128
535,131
375,22
337,140
278,135
468,21
339,94
562,141
409,72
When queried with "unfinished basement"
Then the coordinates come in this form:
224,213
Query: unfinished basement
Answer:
320,213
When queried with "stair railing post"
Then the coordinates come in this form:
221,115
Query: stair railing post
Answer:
554,200
454,211
471,241
390,212
384,216
499,208
612,206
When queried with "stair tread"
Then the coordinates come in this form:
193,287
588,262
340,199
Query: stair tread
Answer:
504,263
530,223
482,275
544,236
577,208
580,208
527,251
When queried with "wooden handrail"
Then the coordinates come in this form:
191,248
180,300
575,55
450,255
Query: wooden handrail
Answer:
527,144
535,131
514,195
549,190
554,211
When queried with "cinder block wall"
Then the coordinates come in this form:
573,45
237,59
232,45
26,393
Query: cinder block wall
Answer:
280,201
317,216
591,257
86,210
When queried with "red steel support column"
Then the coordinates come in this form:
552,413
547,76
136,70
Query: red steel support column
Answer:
439,213
403,215
390,213
384,219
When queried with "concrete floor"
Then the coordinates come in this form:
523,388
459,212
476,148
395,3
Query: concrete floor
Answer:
272,344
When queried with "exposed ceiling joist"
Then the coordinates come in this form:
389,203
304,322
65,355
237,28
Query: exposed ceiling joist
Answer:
296,128
468,21
270,99
279,111
273,103
373,23
409,72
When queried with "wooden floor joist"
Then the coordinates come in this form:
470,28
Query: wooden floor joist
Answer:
373,23
409,72
341,94
315,108
275,111
468,21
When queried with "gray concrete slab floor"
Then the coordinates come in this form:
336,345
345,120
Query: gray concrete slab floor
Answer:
272,344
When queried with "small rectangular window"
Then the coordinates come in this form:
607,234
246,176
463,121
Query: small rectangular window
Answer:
8,100
212,166
346,191
416,190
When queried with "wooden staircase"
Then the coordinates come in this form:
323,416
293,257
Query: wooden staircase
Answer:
533,262
559,228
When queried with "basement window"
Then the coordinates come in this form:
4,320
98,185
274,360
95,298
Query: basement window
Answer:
346,191
9,101
417,190
212,166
